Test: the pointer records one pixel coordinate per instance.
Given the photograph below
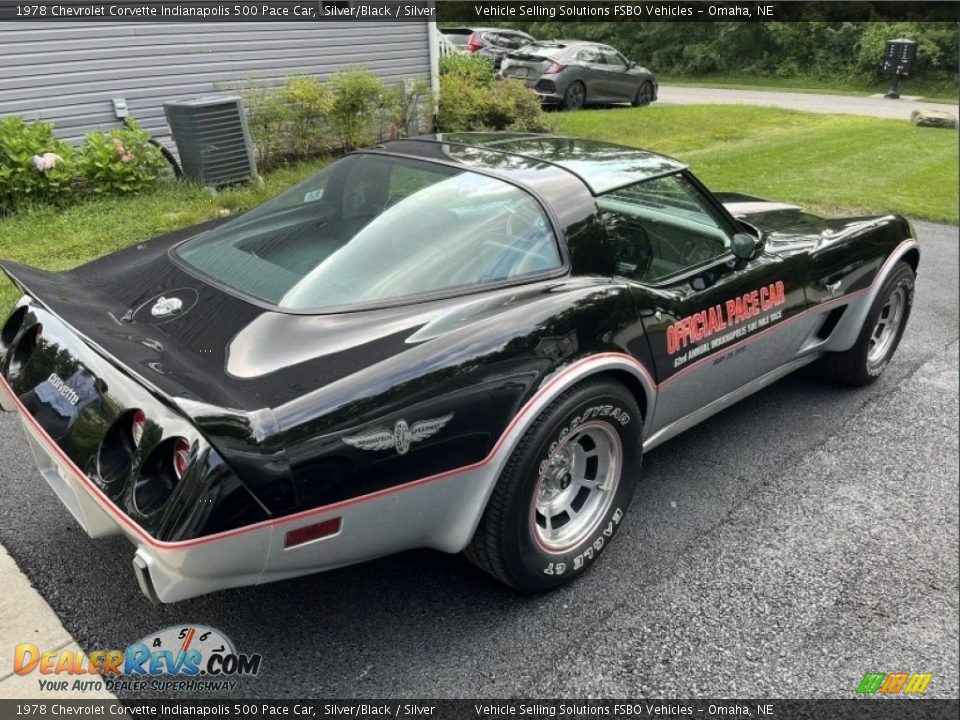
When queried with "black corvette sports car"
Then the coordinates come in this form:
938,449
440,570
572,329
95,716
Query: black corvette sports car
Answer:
461,342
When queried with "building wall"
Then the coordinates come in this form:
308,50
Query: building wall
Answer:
68,73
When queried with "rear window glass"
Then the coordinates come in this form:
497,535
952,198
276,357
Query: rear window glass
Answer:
540,50
371,229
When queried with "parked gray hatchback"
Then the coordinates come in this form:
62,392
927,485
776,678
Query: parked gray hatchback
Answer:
574,73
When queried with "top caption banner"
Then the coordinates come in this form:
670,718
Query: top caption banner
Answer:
482,11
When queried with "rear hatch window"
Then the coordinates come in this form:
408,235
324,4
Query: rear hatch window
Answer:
373,229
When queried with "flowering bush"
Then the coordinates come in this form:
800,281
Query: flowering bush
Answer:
35,166
119,162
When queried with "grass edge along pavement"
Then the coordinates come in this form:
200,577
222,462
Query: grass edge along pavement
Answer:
834,164
925,90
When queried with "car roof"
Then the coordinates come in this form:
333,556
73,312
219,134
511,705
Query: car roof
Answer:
601,166
471,29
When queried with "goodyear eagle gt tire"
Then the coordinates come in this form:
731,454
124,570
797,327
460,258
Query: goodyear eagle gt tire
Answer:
564,491
880,335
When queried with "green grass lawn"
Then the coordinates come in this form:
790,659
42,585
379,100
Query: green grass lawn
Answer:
931,91
61,239
829,163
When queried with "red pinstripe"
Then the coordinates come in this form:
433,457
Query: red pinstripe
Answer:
144,537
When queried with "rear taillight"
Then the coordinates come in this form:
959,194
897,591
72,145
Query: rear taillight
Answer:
181,456
474,43
24,349
119,445
554,68
12,327
137,424
160,473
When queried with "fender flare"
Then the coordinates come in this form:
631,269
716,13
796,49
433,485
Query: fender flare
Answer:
845,335
457,534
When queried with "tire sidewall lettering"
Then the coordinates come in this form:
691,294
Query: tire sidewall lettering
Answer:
576,559
908,284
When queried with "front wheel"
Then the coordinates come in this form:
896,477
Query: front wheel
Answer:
564,491
644,95
575,97
880,335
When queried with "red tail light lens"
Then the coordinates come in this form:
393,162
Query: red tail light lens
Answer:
24,349
181,456
119,445
137,424
474,43
554,68
160,474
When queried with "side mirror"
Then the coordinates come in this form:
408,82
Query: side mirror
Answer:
631,65
744,246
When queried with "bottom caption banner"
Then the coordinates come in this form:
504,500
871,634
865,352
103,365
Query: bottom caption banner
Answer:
902,709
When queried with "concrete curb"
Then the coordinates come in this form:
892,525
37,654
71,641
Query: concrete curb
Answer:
25,617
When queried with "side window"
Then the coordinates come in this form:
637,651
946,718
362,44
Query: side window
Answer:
661,227
613,59
511,42
589,55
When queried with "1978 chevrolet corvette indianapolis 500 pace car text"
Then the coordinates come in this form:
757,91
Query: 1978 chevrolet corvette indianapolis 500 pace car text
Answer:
460,342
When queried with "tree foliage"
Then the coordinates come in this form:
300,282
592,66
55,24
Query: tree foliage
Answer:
798,49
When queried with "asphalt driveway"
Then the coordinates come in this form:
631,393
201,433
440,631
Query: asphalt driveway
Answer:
783,548
808,102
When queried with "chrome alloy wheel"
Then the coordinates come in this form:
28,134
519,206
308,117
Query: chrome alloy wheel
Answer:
577,484
888,325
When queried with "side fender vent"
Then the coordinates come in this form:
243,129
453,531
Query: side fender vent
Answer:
830,322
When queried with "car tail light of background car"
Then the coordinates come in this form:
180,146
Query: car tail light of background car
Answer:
554,68
160,473
474,43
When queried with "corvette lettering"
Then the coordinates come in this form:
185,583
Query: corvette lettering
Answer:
703,324
68,393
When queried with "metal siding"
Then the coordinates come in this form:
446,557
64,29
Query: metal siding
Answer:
68,73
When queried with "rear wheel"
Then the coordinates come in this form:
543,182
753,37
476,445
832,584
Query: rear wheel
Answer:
644,94
575,96
564,491
880,335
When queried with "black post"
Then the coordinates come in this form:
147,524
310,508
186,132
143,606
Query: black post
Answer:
894,92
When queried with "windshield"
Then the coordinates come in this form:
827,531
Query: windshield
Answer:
372,228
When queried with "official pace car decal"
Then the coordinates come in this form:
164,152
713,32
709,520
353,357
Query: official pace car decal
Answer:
723,323
401,437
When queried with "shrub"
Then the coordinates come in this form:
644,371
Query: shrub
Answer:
478,69
308,105
268,116
502,105
306,117
407,105
119,162
35,166
358,96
